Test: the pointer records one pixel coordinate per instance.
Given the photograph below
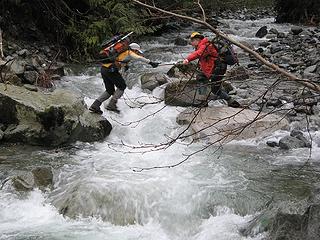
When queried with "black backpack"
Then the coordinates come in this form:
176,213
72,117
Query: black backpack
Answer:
225,51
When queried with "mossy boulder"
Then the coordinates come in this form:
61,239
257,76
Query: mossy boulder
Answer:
48,118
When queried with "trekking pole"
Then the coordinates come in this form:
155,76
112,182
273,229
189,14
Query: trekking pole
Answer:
167,64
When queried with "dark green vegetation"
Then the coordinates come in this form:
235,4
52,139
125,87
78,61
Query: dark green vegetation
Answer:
79,26
298,11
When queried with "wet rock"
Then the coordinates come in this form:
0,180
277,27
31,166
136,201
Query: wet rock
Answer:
289,142
179,41
40,177
295,133
272,144
281,35
31,76
275,48
23,182
274,102
1,135
216,123
262,32
273,31
287,227
109,202
295,227
296,30
18,66
152,80
186,93
310,69
30,87
43,177
49,119
56,70
238,73
23,53
11,78
264,44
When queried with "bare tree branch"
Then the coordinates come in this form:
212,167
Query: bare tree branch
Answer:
307,83
203,12
1,46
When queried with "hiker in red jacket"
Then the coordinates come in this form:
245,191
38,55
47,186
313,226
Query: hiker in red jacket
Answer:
211,67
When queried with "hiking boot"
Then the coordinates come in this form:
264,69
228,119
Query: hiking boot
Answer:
112,106
95,107
233,103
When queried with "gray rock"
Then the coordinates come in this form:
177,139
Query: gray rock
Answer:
281,35
272,144
40,177
179,41
296,30
23,53
273,31
43,177
31,76
30,87
296,227
310,69
287,227
49,119
238,73
18,66
295,133
152,80
262,32
186,93
264,44
275,49
1,134
23,182
289,142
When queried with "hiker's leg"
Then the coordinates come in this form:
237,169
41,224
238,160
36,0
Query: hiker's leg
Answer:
216,80
121,86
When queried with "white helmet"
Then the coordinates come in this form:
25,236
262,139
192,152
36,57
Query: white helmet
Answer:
135,46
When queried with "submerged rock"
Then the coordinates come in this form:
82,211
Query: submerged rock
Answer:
41,177
295,226
48,119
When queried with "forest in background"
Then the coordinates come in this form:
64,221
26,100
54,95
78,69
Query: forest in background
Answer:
80,26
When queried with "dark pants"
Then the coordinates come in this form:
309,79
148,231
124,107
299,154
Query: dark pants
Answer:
111,78
216,80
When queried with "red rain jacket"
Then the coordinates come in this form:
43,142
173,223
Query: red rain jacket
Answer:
207,54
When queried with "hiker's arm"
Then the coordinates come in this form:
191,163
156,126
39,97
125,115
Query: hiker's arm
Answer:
196,54
137,57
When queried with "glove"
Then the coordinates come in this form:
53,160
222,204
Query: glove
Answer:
154,64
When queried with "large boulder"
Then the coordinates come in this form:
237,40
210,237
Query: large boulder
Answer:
48,119
186,93
152,80
295,226
223,124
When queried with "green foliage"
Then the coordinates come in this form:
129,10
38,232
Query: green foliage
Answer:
106,18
